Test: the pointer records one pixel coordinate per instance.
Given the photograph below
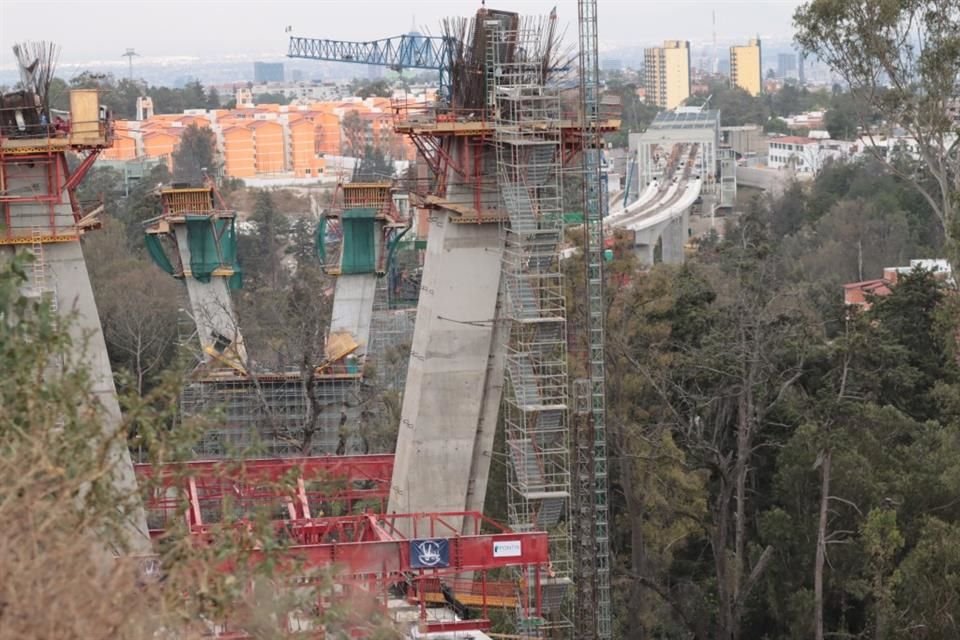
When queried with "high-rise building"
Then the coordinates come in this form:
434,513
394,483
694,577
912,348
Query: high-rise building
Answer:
267,72
745,69
667,73
801,78
786,65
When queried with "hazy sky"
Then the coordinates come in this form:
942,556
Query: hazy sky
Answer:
102,29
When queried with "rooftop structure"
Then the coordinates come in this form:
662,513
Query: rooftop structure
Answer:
685,125
859,294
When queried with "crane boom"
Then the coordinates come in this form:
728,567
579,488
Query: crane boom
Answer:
399,52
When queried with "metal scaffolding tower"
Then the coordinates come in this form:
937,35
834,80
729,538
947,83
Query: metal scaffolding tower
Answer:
529,156
593,616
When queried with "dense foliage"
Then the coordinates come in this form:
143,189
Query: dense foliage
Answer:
784,465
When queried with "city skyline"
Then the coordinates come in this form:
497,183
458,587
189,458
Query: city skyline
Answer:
99,31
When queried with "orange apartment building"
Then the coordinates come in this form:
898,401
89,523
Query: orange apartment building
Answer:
238,152
266,140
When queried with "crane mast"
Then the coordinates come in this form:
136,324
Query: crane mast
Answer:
591,519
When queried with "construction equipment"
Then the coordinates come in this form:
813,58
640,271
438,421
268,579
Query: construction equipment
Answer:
491,320
591,517
410,51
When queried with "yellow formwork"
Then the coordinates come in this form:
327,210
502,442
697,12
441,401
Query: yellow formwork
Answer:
190,200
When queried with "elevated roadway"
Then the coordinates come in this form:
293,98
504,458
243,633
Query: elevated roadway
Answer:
661,213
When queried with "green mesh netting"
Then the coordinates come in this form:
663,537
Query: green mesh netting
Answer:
319,239
159,256
359,255
205,254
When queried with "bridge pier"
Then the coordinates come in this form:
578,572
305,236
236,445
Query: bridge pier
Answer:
674,237
672,232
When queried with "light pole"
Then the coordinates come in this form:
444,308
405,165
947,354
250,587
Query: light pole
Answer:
128,54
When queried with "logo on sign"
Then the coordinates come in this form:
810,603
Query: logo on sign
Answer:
429,554
507,549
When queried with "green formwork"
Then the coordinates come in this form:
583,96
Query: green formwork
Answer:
359,241
359,254
213,245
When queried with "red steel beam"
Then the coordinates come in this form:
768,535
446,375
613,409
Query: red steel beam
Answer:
289,484
374,556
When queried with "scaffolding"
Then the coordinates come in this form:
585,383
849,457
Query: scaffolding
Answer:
272,415
529,145
391,334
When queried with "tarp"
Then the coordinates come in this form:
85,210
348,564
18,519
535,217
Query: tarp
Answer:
155,249
359,255
213,245
319,239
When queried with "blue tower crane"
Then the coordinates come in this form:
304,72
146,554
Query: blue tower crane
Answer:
411,51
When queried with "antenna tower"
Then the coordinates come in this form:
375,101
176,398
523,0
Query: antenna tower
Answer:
129,54
716,58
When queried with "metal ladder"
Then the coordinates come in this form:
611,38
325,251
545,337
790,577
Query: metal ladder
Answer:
38,273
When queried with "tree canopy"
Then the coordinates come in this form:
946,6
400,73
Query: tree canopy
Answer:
196,155
901,60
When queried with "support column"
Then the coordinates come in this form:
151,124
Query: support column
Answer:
353,307
70,283
674,237
455,373
211,306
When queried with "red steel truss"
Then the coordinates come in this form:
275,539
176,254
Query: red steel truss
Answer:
297,488
427,560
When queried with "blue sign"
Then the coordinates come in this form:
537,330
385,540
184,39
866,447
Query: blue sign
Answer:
430,554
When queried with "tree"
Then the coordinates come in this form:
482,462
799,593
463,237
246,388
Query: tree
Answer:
194,96
213,98
303,247
374,166
353,127
722,384
372,88
138,306
842,119
261,254
900,59
635,115
737,107
196,155
271,98
776,125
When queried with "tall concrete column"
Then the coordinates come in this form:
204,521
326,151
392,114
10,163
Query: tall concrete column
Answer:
674,237
66,281
353,307
67,270
211,306
455,374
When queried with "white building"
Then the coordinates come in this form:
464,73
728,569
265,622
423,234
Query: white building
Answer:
794,152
